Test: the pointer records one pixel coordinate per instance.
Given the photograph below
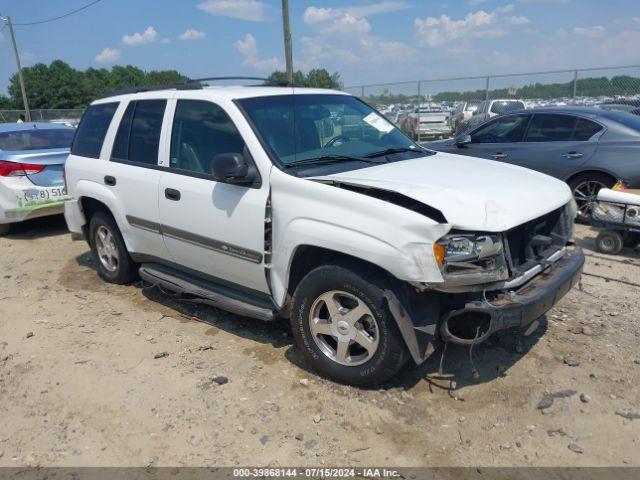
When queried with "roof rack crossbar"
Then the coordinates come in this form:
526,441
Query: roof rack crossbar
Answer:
211,79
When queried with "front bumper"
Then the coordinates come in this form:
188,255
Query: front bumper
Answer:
519,308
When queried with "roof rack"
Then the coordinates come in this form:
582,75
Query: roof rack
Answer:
193,84
152,88
267,81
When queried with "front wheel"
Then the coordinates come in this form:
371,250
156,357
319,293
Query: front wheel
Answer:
342,325
109,250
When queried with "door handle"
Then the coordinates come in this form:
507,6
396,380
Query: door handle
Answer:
171,194
572,155
109,180
498,155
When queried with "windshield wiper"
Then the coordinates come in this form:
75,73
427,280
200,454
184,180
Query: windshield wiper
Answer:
389,151
325,159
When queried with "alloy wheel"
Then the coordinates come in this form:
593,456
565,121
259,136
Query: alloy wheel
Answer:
107,249
344,328
585,194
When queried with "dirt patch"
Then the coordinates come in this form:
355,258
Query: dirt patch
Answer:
96,374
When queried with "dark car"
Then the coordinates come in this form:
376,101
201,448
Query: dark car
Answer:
589,148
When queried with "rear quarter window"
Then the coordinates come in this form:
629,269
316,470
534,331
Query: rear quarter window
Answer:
92,130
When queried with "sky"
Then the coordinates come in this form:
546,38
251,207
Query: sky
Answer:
365,41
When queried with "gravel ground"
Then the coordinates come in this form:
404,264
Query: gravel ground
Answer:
80,384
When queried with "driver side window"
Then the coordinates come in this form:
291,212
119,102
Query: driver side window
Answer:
507,129
201,130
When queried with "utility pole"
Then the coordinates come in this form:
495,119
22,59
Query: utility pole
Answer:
287,40
27,113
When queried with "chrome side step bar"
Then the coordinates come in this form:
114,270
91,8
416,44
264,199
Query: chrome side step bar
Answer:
206,292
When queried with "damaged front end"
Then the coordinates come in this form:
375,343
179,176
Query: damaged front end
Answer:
492,282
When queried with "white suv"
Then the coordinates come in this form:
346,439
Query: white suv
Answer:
279,202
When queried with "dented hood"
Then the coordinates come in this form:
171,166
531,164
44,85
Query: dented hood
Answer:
472,193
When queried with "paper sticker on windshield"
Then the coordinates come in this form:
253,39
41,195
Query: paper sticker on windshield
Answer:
377,122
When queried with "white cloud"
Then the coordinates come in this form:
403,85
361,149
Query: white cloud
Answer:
434,31
148,36
165,40
192,34
595,31
519,20
249,49
249,10
636,20
317,15
506,9
348,24
108,55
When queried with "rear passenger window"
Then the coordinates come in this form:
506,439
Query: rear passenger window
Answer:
551,128
585,129
201,130
121,144
138,136
92,130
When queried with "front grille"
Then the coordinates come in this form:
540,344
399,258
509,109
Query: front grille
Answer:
536,239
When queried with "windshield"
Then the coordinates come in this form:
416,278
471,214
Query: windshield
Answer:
305,127
36,139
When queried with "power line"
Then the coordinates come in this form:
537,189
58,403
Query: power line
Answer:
58,17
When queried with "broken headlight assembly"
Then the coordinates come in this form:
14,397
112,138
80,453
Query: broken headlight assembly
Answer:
469,259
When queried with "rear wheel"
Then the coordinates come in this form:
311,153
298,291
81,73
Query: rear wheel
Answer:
585,188
4,229
109,250
343,327
609,242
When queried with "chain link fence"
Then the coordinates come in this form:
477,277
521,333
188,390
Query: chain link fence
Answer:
588,87
58,115
441,107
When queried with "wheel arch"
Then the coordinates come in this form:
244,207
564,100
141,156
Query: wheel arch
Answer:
590,171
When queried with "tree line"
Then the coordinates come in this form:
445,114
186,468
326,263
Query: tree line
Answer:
58,85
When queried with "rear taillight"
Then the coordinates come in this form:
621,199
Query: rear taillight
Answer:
15,169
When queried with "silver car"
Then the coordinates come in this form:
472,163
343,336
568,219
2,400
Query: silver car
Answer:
32,157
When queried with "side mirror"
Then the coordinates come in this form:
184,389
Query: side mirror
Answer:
232,168
463,139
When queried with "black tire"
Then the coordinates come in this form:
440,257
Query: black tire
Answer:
390,354
125,270
585,180
4,229
609,242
